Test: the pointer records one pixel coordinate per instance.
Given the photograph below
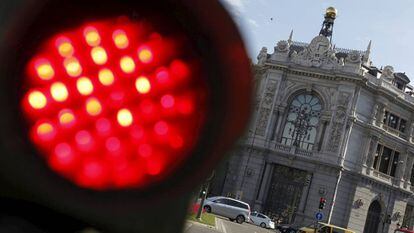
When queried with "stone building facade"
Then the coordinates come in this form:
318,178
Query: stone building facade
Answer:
327,123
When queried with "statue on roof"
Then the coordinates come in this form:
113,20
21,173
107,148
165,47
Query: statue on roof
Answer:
262,57
387,73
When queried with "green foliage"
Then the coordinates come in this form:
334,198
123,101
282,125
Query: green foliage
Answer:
206,218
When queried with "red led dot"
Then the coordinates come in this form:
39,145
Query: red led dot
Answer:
180,69
103,125
113,144
142,85
64,154
64,47
167,101
93,174
66,118
83,138
37,100
127,64
45,131
44,69
145,54
162,76
153,167
161,128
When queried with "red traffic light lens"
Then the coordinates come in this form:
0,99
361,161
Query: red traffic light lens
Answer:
113,104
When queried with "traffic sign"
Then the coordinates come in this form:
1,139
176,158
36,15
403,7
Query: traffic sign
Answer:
319,216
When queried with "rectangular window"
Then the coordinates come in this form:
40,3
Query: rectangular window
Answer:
393,121
386,160
412,176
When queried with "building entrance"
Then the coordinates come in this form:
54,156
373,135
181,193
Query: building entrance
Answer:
373,218
285,192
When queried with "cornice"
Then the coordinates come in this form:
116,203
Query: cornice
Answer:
333,75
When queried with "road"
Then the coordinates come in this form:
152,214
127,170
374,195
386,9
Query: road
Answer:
223,225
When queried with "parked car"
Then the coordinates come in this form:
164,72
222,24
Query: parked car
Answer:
286,229
403,230
324,228
229,208
261,220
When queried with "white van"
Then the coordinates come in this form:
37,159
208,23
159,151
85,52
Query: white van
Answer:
229,208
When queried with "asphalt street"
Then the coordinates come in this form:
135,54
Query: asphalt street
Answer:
223,225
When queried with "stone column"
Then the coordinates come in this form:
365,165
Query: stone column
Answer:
408,169
402,163
371,153
320,134
365,151
280,125
374,114
273,123
262,192
380,116
410,131
280,111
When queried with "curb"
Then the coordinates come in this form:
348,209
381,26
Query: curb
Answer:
202,224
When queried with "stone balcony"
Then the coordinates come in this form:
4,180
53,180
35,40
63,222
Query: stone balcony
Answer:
389,87
287,150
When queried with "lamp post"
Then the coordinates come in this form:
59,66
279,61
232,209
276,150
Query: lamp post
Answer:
204,190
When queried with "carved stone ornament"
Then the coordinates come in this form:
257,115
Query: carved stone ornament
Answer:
262,57
387,73
338,123
354,57
262,121
318,54
266,106
343,99
282,46
358,203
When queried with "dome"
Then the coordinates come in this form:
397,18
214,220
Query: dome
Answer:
331,11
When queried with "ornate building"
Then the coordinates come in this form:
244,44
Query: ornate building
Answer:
327,123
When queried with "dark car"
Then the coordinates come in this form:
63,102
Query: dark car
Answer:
286,229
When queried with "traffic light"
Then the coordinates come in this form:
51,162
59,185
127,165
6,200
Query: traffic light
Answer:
114,111
322,203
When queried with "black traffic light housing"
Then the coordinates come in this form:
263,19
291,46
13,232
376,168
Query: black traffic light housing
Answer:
27,182
322,202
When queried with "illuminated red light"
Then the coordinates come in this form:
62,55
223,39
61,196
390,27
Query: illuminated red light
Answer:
108,109
167,101
145,54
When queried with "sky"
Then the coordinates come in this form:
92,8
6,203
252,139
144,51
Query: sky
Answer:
389,24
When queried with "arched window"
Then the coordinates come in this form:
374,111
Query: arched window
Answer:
302,121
